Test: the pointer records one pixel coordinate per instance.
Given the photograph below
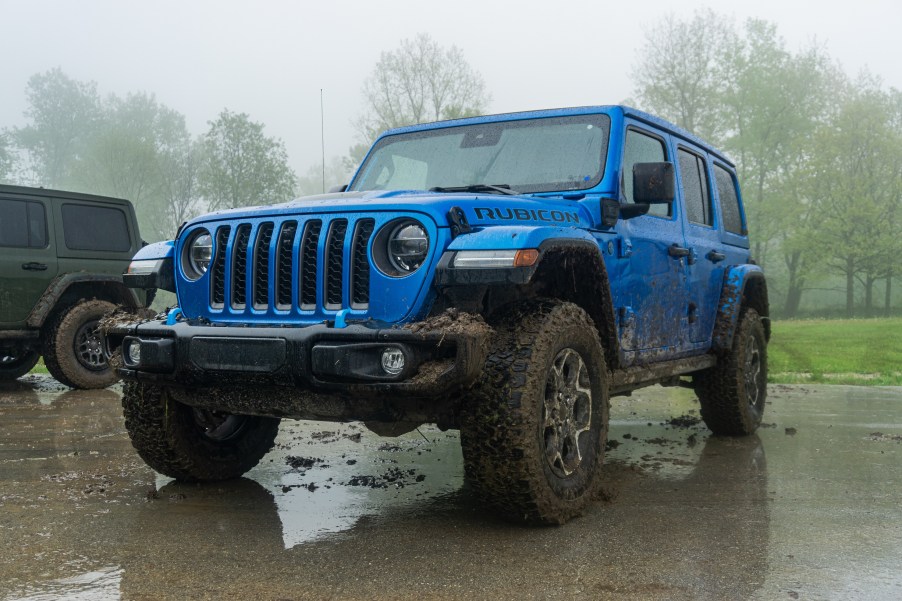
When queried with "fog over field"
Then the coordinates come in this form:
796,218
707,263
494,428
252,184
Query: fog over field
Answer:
271,59
185,107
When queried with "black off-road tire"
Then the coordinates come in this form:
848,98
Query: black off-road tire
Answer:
733,392
72,347
190,444
17,363
514,456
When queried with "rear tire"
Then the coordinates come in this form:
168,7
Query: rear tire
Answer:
15,363
73,352
733,392
191,444
533,433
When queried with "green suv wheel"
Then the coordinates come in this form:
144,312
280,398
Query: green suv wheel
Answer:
73,351
17,362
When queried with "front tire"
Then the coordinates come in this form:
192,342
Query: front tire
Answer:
192,444
733,392
73,352
533,434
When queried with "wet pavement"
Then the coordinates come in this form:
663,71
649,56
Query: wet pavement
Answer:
807,509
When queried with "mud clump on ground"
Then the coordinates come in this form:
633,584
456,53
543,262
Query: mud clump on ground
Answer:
685,421
394,477
881,437
452,322
302,463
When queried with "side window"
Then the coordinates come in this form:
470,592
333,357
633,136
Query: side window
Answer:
22,224
729,200
641,148
89,227
694,178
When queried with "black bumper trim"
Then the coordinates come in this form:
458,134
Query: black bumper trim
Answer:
234,356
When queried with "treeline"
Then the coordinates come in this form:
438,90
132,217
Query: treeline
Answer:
819,153
135,147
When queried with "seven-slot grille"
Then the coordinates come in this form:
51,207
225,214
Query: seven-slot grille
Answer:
292,264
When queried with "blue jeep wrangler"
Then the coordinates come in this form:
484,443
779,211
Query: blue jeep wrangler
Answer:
502,275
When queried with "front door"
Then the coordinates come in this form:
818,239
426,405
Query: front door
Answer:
652,315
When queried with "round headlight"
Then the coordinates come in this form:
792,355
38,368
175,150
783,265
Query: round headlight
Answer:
200,253
408,245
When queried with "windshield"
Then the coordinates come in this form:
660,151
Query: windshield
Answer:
532,155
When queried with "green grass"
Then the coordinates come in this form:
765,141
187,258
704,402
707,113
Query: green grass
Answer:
837,351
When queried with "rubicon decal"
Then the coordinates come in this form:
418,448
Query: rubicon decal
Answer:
507,214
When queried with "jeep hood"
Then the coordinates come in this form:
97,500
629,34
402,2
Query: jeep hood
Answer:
480,208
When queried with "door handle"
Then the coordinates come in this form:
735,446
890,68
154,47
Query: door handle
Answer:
715,257
34,266
677,251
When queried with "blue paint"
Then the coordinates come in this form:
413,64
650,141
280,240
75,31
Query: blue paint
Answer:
173,316
341,319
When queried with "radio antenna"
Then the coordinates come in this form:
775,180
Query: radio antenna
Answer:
322,136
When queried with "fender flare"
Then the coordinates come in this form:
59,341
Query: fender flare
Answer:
743,286
59,285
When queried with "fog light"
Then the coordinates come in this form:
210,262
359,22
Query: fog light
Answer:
134,353
393,361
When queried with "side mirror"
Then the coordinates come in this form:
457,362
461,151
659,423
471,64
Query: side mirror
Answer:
341,188
653,183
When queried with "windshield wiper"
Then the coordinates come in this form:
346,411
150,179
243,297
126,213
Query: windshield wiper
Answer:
497,189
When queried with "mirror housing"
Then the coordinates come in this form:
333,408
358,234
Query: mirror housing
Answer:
334,189
654,183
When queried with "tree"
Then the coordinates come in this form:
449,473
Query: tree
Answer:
859,189
420,81
241,166
7,158
63,113
679,75
139,150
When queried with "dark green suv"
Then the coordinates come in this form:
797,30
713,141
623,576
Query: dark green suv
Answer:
62,255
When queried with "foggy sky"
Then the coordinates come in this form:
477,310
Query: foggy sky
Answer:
270,59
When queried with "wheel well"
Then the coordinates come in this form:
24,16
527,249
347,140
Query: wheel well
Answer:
755,296
574,273
111,291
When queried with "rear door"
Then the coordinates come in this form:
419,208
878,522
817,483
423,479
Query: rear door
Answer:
706,267
93,236
27,256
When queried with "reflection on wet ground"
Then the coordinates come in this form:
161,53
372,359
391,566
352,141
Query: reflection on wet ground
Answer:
806,509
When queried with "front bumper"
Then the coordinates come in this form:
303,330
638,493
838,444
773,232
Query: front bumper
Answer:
318,358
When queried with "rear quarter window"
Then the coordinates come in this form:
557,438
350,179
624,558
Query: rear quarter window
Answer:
729,200
89,227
